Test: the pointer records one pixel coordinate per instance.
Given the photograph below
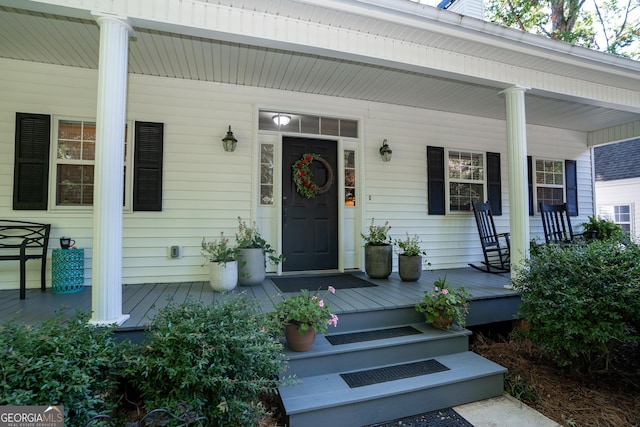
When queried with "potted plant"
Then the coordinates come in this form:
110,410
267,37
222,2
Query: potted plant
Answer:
410,260
601,229
302,316
223,267
378,251
445,305
252,254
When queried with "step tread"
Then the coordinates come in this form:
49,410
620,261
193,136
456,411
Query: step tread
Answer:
326,391
323,347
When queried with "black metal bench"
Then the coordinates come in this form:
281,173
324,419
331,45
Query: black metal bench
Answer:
22,241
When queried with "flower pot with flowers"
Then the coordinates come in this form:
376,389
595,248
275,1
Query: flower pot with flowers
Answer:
410,259
223,267
252,253
302,316
378,251
445,305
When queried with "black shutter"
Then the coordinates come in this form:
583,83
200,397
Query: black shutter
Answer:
31,166
494,184
532,209
147,167
435,180
571,183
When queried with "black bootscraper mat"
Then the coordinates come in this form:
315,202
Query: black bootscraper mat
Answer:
378,334
392,373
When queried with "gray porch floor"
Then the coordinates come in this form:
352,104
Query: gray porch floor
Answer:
143,301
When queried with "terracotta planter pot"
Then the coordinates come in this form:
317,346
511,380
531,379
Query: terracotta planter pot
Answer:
442,322
410,267
223,277
297,342
378,261
251,266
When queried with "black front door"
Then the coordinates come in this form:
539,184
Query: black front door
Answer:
309,225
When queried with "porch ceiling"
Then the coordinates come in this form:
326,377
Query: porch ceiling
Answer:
52,39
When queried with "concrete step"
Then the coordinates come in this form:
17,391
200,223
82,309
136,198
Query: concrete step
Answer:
325,358
327,400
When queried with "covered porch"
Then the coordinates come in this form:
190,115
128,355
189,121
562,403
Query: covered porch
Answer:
492,302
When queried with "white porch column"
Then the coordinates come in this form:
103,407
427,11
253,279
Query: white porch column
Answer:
106,298
518,186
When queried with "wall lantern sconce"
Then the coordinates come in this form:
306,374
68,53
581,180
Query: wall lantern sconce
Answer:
385,152
281,119
229,142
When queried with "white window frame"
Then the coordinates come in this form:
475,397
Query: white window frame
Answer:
537,185
609,213
449,180
54,161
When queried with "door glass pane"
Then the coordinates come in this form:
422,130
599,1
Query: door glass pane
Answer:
349,178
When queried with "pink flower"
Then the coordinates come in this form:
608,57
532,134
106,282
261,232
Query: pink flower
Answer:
435,288
314,298
333,321
332,289
321,303
445,292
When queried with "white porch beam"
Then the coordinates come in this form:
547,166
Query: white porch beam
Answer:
518,187
106,297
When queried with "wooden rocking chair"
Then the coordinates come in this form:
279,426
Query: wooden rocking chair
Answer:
556,224
495,247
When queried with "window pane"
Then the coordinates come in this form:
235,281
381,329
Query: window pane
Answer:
462,195
349,178
70,130
349,158
69,150
549,172
266,194
310,124
75,185
550,196
266,153
266,174
622,213
328,126
349,128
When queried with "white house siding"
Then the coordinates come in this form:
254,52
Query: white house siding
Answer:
621,192
205,188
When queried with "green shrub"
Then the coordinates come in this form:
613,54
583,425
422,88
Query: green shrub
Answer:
216,359
582,301
61,362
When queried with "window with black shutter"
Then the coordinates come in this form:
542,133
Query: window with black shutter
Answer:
147,175
467,177
31,166
553,182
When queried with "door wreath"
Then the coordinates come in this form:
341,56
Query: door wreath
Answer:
302,176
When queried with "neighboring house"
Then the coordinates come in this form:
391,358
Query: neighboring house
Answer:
618,184
472,111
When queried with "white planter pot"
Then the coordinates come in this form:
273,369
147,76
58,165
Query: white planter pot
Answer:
223,277
251,266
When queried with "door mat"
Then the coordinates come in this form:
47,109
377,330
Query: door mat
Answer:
392,373
378,334
313,283
441,418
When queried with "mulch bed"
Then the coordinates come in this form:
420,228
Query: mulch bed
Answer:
607,400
